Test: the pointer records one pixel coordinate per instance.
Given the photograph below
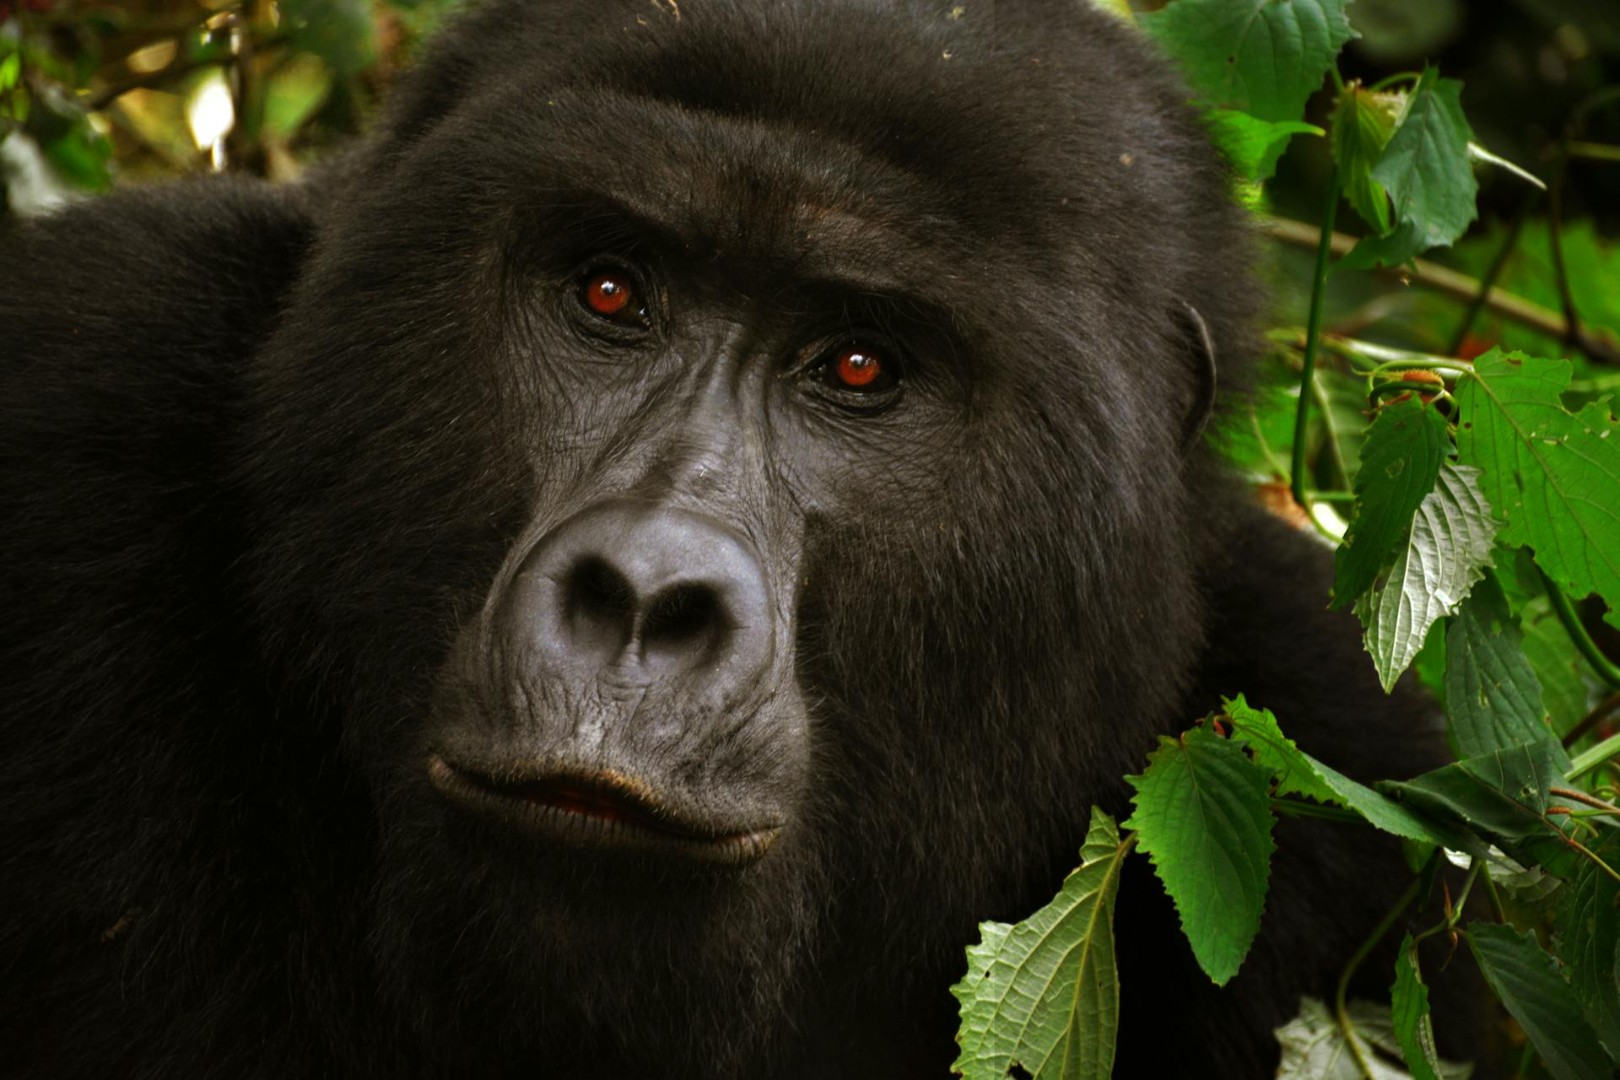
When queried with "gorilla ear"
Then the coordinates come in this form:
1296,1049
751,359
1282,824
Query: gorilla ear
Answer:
1201,353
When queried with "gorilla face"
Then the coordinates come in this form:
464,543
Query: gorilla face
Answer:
765,436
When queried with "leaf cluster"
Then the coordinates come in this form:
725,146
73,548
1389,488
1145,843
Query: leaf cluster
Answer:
1474,505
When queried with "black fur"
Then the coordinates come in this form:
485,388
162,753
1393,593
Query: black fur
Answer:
270,457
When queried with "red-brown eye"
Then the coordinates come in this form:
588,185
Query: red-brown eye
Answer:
860,369
612,295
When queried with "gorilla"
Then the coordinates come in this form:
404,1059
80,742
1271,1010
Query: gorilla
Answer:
617,573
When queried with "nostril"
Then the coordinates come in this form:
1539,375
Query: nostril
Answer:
598,603
684,617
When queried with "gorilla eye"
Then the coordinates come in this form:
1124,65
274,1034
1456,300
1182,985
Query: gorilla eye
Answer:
859,369
611,294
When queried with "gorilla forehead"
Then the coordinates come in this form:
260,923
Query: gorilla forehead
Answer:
983,124
761,197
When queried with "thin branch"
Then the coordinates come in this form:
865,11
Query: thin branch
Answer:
1599,345
1313,337
1582,797
1591,151
151,81
1341,1009
1555,242
1494,271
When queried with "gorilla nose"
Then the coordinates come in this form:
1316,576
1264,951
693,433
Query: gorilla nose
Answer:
649,594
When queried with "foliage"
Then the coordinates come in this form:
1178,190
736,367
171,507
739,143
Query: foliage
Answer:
1482,547
89,93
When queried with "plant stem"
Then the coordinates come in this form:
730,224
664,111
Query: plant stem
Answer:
1492,897
1340,1009
1313,334
1583,797
1488,282
1592,151
1591,758
1600,345
1606,669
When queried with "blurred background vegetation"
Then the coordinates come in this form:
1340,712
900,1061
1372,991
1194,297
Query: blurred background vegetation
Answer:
95,93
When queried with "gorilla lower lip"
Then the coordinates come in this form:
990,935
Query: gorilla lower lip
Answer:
601,812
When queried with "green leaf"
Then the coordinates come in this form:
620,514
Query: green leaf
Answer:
82,155
1203,816
1297,773
1314,1047
1409,1015
1591,259
1400,461
1257,56
1492,695
1044,994
1253,146
1363,121
1426,168
1397,248
10,67
1553,477
1502,796
1450,546
295,93
1589,937
340,32
1527,981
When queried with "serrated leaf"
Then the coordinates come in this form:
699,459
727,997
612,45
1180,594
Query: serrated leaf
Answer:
1297,773
1203,816
1314,1047
1501,796
1400,461
1409,1015
1256,56
1363,121
1589,938
1492,696
1043,994
1450,546
1528,983
1553,477
1253,146
1426,168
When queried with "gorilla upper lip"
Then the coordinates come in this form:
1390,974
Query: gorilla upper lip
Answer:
596,809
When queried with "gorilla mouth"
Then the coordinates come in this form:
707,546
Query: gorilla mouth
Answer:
601,810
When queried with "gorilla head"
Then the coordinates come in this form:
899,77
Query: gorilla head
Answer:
723,466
